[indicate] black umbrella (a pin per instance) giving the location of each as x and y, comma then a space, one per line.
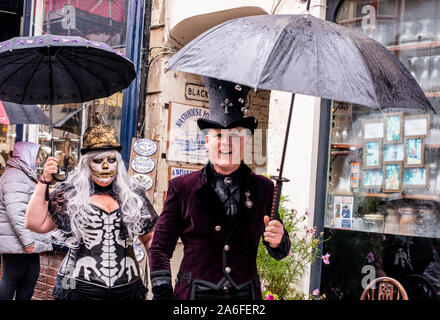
301, 54
13, 113
52, 69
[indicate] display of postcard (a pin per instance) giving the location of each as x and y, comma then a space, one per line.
372, 178
372, 154
392, 177
416, 125
414, 152
343, 212
393, 152
415, 177
393, 128
372, 129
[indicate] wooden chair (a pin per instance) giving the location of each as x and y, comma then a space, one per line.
384, 288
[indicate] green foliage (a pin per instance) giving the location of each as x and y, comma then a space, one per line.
279, 278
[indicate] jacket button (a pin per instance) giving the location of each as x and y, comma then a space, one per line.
218, 228
228, 270
227, 248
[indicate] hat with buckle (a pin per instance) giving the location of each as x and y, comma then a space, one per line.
100, 137
227, 106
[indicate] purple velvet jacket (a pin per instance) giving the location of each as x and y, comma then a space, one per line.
213, 249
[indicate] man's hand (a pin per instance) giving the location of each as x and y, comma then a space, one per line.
30, 249
274, 232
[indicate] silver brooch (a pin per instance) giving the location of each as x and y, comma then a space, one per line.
248, 203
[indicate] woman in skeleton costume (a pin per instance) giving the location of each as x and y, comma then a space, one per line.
99, 216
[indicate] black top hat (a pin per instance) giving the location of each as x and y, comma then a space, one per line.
226, 106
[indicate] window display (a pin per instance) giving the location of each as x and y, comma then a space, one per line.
384, 165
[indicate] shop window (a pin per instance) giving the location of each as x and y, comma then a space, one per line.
7, 138
384, 165
96, 20
383, 195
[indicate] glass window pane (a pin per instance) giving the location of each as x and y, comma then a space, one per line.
383, 195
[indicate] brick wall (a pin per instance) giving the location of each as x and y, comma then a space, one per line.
49, 265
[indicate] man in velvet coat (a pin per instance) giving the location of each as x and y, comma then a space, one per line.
220, 212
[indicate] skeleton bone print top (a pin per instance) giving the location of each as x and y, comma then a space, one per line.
104, 257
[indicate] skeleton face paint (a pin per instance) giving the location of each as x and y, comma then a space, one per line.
103, 169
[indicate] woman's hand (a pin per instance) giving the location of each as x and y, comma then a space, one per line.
30, 249
50, 168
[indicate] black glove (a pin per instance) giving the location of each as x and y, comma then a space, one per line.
161, 285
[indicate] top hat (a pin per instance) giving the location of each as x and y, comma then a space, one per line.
100, 137
226, 106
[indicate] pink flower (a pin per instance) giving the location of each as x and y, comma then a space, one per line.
370, 257
315, 292
270, 297
325, 258
312, 230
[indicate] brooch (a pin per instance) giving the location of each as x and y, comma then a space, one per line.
248, 203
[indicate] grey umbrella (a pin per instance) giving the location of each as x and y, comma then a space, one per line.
302, 54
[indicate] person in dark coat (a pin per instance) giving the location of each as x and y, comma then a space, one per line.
220, 212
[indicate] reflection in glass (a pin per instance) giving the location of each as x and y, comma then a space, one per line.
426, 32
434, 80
408, 32
424, 74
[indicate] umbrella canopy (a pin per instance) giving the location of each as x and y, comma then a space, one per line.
53, 69
302, 54
12, 113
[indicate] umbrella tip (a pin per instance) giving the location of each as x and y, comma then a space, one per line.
308, 6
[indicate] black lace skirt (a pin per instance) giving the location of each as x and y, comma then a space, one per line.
87, 291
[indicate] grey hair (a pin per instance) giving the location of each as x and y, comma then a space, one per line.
80, 180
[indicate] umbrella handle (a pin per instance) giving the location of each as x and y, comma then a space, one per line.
276, 195
54, 176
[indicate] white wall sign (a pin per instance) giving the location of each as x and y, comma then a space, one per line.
186, 141
179, 171
196, 92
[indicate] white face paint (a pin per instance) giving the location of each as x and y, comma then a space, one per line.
103, 169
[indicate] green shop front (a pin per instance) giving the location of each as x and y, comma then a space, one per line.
379, 170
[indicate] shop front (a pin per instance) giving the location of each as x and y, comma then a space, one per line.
96, 20
382, 196
103, 21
